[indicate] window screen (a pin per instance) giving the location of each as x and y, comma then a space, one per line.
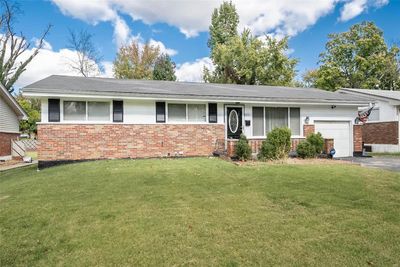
54, 110
74, 110
177, 112
197, 112
118, 111
258, 121
275, 117
295, 121
98, 111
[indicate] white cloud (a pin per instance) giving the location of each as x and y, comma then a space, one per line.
282, 17
353, 8
49, 62
193, 71
163, 49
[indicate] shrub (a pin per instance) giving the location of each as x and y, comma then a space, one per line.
305, 150
243, 149
277, 145
317, 141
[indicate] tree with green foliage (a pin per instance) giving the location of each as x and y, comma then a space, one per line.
277, 145
32, 109
224, 22
135, 61
12, 46
358, 58
246, 59
164, 68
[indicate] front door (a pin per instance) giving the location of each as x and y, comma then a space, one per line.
234, 122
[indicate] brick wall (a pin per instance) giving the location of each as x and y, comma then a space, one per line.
5, 143
308, 129
381, 133
357, 138
64, 142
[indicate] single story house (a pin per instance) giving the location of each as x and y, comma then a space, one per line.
10, 115
97, 118
381, 133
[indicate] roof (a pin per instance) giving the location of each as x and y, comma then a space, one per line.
10, 100
57, 85
373, 94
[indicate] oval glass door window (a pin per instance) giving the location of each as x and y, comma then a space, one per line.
233, 121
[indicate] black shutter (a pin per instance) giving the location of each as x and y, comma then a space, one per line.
118, 111
212, 113
54, 110
160, 111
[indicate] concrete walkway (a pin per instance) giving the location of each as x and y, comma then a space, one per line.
18, 165
382, 162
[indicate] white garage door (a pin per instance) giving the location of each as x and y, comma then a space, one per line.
340, 132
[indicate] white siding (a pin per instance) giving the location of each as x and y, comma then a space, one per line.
8, 119
315, 113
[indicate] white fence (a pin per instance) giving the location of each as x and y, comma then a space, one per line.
18, 148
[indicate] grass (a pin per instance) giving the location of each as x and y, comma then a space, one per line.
199, 212
393, 154
32, 154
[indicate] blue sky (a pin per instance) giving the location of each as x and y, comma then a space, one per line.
181, 29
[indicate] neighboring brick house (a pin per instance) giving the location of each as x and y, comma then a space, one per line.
99, 118
381, 132
10, 114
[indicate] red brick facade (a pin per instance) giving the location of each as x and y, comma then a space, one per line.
105, 141
308, 129
5, 143
381, 133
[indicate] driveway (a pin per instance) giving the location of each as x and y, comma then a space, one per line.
388, 163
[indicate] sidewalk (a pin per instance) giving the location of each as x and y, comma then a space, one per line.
15, 166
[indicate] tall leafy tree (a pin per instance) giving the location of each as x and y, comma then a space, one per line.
135, 61
358, 58
246, 59
224, 22
13, 45
164, 68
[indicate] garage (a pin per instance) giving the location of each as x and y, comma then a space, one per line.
340, 132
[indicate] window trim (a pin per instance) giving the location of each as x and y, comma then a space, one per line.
265, 126
187, 113
110, 117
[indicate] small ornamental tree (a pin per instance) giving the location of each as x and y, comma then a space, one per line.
317, 141
243, 149
277, 145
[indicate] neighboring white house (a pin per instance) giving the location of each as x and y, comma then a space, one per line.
10, 115
94, 118
381, 133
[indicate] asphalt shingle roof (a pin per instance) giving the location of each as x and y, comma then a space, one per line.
57, 84
372, 94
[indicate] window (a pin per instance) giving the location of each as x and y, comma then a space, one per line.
295, 121
268, 118
98, 111
197, 113
54, 110
74, 110
177, 112
118, 111
160, 111
258, 121
275, 117
212, 113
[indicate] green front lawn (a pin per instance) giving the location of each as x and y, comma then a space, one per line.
199, 212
